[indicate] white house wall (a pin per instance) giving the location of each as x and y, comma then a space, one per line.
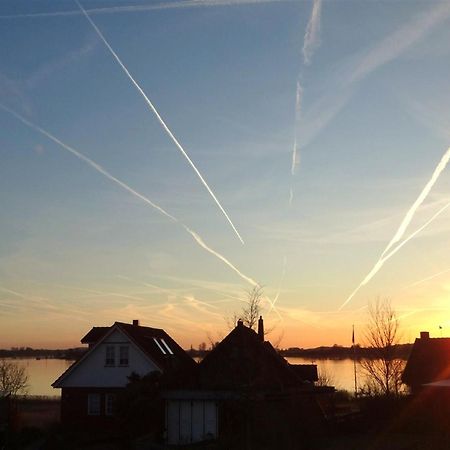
92, 372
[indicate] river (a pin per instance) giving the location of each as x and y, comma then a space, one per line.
43, 372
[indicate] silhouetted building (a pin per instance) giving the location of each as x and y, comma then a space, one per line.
244, 391
428, 363
91, 385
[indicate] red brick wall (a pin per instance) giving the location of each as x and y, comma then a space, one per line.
74, 407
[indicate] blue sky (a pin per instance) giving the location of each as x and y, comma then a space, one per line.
77, 250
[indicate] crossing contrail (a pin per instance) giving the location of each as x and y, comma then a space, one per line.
383, 259
123, 185
158, 116
420, 199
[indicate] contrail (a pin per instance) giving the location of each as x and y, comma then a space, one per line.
383, 259
424, 280
105, 173
311, 41
200, 242
89, 161
312, 35
160, 119
298, 110
143, 8
283, 274
420, 199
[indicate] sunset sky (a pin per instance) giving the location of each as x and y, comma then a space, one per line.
361, 87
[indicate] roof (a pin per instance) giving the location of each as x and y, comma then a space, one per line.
429, 361
155, 343
94, 335
242, 360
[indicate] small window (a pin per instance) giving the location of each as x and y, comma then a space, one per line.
110, 404
110, 359
93, 404
159, 346
165, 345
123, 355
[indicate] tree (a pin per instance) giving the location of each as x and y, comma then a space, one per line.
251, 311
384, 369
13, 378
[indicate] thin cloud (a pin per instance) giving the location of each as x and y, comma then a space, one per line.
400, 41
160, 119
311, 40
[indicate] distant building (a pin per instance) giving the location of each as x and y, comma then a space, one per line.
90, 386
244, 391
428, 364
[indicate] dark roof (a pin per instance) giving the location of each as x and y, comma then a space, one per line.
307, 372
145, 337
148, 340
94, 335
429, 361
242, 360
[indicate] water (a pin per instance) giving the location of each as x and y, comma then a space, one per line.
42, 373
337, 372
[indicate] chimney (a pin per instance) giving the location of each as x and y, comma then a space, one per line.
424, 335
240, 323
261, 329
136, 322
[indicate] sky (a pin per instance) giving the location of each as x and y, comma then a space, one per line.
217, 145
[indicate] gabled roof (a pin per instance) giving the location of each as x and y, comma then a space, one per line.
155, 343
429, 361
94, 335
242, 360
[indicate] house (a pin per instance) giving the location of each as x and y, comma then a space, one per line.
429, 363
90, 386
243, 391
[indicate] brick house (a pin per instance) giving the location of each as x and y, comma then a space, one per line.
91, 385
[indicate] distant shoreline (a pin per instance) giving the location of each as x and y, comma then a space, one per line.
401, 351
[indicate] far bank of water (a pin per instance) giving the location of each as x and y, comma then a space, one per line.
43, 372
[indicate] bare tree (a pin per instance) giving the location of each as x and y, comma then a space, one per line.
13, 378
251, 311
384, 369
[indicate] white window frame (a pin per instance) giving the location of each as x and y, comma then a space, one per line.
110, 404
110, 356
124, 362
94, 400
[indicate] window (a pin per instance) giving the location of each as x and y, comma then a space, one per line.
93, 404
110, 359
110, 404
159, 346
165, 345
123, 355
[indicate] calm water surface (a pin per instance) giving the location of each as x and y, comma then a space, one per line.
43, 372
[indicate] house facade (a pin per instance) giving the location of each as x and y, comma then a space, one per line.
91, 386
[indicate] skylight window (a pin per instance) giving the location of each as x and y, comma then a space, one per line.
160, 347
165, 345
